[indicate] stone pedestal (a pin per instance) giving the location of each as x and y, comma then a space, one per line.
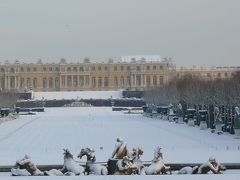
191, 122
179, 120
218, 127
203, 125
237, 132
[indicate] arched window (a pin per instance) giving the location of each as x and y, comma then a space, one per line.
122, 81
105, 81
50, 82
115, 81
56, 82
44, 82
99, 81
148, 80
154, 80
93, 82
35, 83
69, 81
22, 82
28, 82
129, 81
12, 70
75, 81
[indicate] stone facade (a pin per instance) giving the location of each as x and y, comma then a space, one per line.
83, 76
137, 75
208, 73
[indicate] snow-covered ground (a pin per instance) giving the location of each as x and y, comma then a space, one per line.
44, 136
77, 95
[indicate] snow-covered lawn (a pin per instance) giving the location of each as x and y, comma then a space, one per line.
77, 95
44, 136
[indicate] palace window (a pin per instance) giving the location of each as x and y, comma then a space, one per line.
22, 82
75, 69
12, 70
28, 82
81, 68
115, 81
44, 82
35, 69
138, 79
50, 82
35, 83
122, 81
148, 80
56, 82
161, 81
81, 81
129, 81
154, 80
100, 82
93, 82
105, 81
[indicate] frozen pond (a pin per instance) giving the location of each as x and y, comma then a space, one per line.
44, 135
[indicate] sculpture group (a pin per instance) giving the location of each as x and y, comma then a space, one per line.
126, 163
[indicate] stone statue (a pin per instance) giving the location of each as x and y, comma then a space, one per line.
170, 109
217, 120
237, 118
217, 116
237, 121
179, 110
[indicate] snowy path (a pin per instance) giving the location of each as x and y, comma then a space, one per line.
45, 135
17, 129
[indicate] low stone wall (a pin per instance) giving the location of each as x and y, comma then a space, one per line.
92, 102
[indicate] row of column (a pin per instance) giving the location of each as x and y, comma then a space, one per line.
71, 81
83, 81
143, 80
9, 82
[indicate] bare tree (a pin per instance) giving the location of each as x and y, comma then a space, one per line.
195, 91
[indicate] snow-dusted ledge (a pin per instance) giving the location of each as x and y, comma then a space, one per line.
77, 95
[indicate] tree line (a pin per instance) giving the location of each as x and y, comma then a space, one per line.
193, 90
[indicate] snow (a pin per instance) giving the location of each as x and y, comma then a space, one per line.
134, 177
77, 95
43, 137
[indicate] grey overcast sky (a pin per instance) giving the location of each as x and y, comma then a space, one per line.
192, 32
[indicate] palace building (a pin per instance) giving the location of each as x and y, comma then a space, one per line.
131, 75
211, 73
